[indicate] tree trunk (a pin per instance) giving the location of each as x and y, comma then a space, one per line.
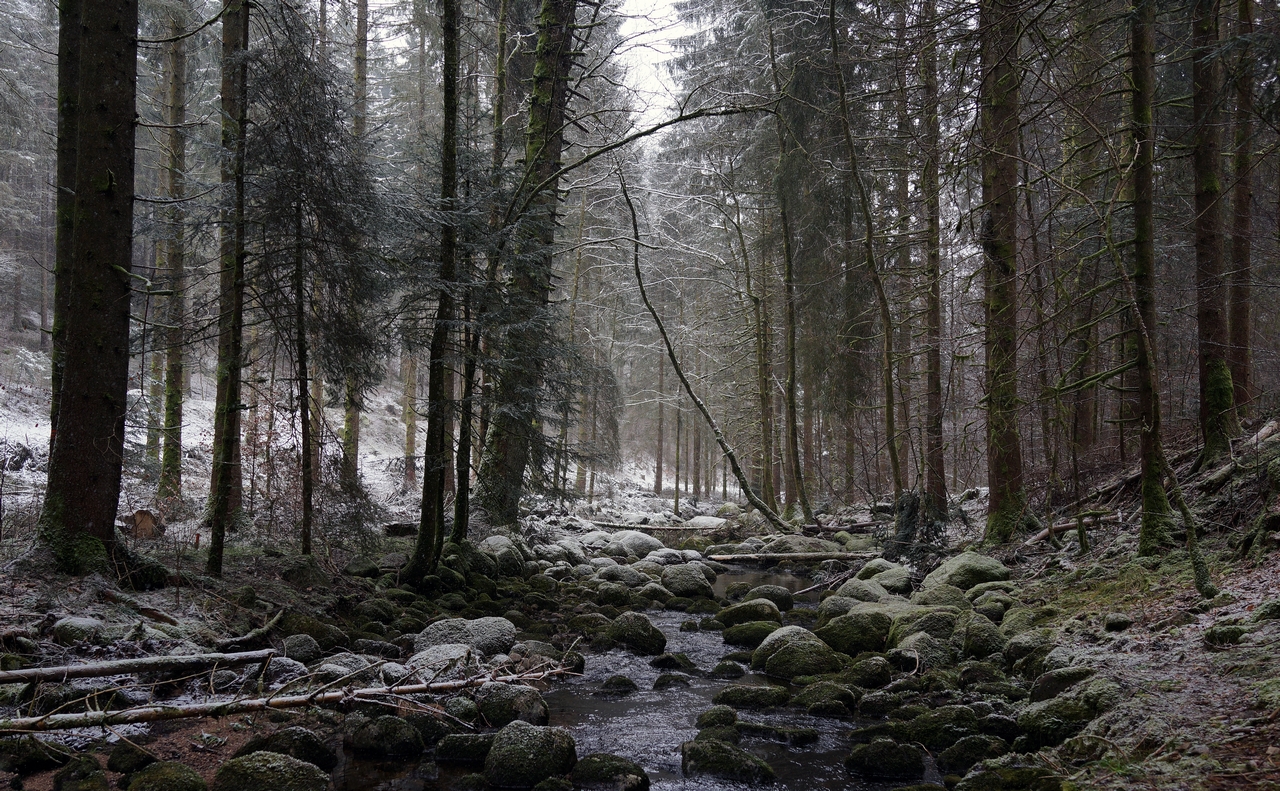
409, 413
1217, 397
1240, 355
69, 33
170, 486
224, 488
935, 484
78, 517
352, 396
305, 454
436, 453
661, 449
999, 31
519, 384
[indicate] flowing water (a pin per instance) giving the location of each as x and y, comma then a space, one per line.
648, 726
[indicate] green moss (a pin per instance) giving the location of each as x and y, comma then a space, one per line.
1003, 522
1221, 423
1153, 536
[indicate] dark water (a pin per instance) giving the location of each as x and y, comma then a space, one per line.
649, 726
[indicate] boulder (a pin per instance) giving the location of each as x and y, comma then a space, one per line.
863, 590
720, 759
167, 776
361, 566
524, 755
296, 742
1053, 721
439, 657
937, 728
750, 634
920, 651
944, 595
856, 632
967, 570
717, 716
1055, 682
262, 770
885, 759
873, 672
302, 648
960, 757
625, 575
81, 773
487, 636
614, 594
1012, 772
686, 580
74, 629
794, 651
754, 610
826, 693
874, 567
976, 637
26, 755
636, 543
939, 622
611, 772
385, 736
896, 580
635, 631
464, 748
742, 696
127, 758
618, 685
501, 704
655, 592
774, 593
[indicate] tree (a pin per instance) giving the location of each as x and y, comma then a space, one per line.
79, 513
999, 32
224, 485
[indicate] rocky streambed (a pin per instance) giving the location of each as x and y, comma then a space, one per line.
685, 674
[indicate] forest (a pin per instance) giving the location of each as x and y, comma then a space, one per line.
615, 394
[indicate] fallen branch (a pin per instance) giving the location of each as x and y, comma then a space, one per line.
251, 636
805, 556
147, 664
136, 606
93, 719
1063, 527
619, 526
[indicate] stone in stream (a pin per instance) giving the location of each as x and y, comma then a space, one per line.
896, 580
524, 755
635, 631
742, 696
827, 699
167, 776
856, 632
794, 651
625, 575
870, 673
501, 703
875, 566
885, 759
960, 757
754, 610
863, 590
966, 570
919, 652
722, 716
727, 669
384, 736
774, 593
723, 760
604, 771
636, 543
464, 748
618, 685
937, 622
261, 771
294, 741
943, 595
667, 680
687, 580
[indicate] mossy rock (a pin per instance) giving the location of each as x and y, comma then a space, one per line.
294, 741
26, 755
863, 590
1018, 620
326, 635
464, 748
1225, 634
794, 651
754, 610
774, 593
938, 728
727, 669
504, 703
1011, 773
264, 770
637, 632
828, 692
387, 735
127, 758
942, 595
605, 771
722, 716
1055, 682
668, 680
920, 651
885, 759
897, 580
741, 696
872, 672
977, 637
939, 622
720, 759
1053, 721
967, 570
875, 566
167, 776
796, 737
81, 773
523, 755
723, 733
856, 632
750, 634
304, 572
960, 757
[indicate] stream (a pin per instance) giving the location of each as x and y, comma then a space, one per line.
648, 726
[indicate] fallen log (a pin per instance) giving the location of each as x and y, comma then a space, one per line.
254, 635
856, 527
801, 556
146, 664
136, 606
1063, 527
94, 719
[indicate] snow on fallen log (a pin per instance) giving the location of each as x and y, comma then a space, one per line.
800, 556
141, 714
146, 664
